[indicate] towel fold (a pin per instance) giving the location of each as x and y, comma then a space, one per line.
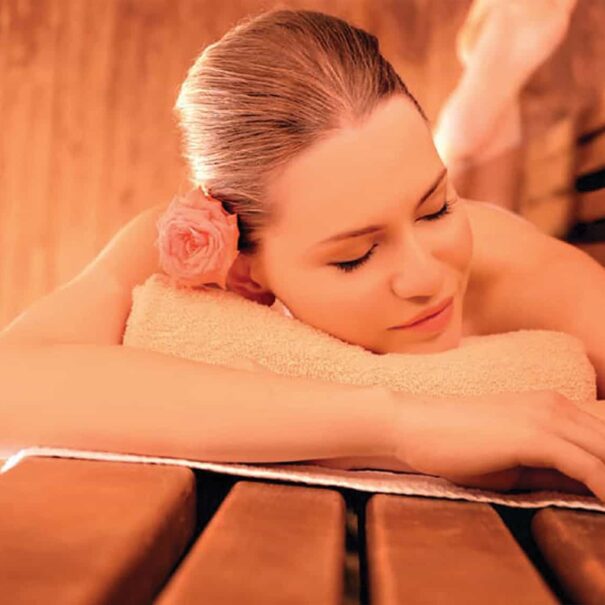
219, 327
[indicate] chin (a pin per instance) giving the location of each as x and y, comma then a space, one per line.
446, 341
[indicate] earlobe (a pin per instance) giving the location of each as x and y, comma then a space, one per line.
240, 281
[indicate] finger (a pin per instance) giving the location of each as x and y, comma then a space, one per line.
523, 478
584, 430
549, 479
503, 480
571, 460
595, 411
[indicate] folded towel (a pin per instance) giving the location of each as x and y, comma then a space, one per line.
220, 327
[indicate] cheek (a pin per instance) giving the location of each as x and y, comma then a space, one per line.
459, 244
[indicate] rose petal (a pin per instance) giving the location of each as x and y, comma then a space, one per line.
197, 240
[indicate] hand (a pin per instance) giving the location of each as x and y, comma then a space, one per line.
501, 45
488, 441
528, 31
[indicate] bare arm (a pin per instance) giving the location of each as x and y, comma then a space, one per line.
136, 401
67, 381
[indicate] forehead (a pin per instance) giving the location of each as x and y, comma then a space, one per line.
345, 180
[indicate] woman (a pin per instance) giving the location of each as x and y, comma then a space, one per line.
299, 127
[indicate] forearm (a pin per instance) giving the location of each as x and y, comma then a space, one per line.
136, 401
529, 480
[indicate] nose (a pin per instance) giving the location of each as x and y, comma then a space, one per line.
418, 274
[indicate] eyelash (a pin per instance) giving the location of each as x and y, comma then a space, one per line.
351, 265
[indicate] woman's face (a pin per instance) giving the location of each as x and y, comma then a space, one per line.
385, 178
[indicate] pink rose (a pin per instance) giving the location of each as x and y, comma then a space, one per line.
197, 240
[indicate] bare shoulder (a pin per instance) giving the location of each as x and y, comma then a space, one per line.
502, 239
505, 249
130, 256
92, 308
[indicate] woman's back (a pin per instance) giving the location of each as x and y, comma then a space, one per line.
93, 307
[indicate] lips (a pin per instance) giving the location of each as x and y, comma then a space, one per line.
427, 313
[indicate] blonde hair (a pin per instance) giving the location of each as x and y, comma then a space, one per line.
271, 87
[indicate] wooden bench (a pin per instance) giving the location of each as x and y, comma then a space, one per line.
84, 532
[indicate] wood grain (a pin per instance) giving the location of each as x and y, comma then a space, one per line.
264, 545
426, 550
90, 531
89, 138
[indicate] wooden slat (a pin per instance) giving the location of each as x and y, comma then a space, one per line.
596, 250
547, 195
591, 205
426, 550
591, 137
81, 532
573, 543
552, 214
591, 149
267, 543
550, 160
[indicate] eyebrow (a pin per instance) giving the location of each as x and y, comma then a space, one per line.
373, 228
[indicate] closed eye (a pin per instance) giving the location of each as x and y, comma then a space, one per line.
351, 265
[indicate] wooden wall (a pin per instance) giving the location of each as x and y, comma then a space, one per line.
88, 138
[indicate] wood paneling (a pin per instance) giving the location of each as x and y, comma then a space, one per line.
86, 95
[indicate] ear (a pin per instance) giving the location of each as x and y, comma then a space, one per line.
240, 281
